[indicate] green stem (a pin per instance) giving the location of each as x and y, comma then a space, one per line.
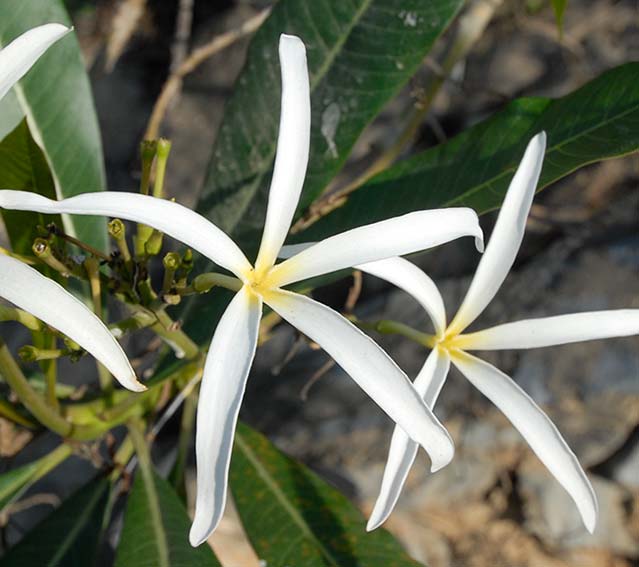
170, 332
387, 327
206, 282
184, 443
43, 467
44, 413
9, 412
122, 457
19, 316
50, 368
92, 267
161, 159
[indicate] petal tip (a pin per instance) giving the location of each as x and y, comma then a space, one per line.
291, 44
195, 538
373, 523
138, 386
438, 462
479, 244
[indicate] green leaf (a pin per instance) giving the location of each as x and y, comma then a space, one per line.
559, 7
292, 517
596, 122
56, 98
69, 536
24, 167
152, 539
14, 482
360, 53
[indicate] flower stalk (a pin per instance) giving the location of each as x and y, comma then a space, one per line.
44, 413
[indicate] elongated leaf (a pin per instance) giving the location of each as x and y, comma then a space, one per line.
56, 98
359, 53
15, 481
24, 167
152, 541
292, 517
69, 536
598, 121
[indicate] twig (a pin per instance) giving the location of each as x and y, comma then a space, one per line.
354, 292
197, 57
295, 347
315, 377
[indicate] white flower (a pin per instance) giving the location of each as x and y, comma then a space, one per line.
24, 286
233, 347
450, 344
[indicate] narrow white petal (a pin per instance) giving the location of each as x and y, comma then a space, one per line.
536, 428
225, 373
559, 330
29, 290
401, 273
20, 55
413, 281
292, 149
393, 237
370, 367
506, 237
171, 218
402, 453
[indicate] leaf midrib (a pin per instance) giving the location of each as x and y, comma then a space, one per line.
79, 525
550, 150
281, 497
155, 516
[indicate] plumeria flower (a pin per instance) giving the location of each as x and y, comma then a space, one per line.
233, 347
27, 288
451, 344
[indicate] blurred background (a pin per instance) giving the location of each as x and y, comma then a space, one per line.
495, 504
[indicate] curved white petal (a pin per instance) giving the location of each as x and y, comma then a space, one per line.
48, 301
20, 55
292, 150
506, 237
401, 273
536, 428
408, 277
171, 218
403, 450
559, 330
225, 373
393, 237
370, 367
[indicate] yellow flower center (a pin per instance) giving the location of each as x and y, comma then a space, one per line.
260, 281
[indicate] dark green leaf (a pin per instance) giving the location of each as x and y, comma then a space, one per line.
598, 121
360, 53
56, 97
292, 517
11, 482
15, 481
24, 167
69, 536
151, 541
